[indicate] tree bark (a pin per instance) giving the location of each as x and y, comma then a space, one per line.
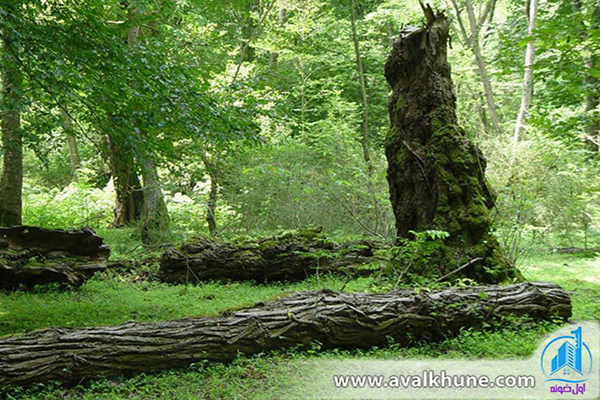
485, 80
128, 190
335, 320
288, 257
436, 176
483, 22
213, 195
592, 89
528, 77
32, 256
154, 214
11, 183
365, 142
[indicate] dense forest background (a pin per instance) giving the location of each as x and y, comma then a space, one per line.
252, 116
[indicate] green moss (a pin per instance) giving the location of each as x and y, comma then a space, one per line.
399, 103
461, 209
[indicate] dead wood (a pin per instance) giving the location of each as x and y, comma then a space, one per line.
335, 320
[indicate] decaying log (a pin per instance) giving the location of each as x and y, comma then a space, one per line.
336, 320
290, 256
31, 256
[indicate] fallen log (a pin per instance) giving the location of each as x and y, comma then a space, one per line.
574, 250
32, 256
290, 256
336, 320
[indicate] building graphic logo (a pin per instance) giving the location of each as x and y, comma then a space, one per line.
567, 359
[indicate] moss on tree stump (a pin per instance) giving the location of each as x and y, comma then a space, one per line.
435, 174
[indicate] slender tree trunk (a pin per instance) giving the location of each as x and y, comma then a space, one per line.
365, 142
11, 183
528, 78
154, 213
592, 88
592, 126
211, 205
72, 143
468, 39
487, 86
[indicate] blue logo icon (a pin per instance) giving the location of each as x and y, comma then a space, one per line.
567, 359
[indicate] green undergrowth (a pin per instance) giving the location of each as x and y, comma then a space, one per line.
111, 299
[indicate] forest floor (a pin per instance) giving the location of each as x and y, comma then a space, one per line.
113, 298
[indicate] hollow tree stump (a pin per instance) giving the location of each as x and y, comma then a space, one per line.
336, 320
31, 256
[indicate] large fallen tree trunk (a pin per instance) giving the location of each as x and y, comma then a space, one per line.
334, 319
290, 256
31, 256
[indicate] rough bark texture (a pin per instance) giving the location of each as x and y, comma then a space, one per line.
11, 183
128, 190
30, 256
291, 256
436, 176
336, 320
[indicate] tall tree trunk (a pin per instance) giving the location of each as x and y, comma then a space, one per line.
471, 40
72, 144
485, 80
363, 92
528, 77
592, 92
211, 205
154, 214
128, 190
436, 176
11, 183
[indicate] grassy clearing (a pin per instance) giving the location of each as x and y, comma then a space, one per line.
112, 299
108, 299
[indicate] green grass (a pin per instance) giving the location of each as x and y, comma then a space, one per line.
111, 299
577, 273
108, 299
